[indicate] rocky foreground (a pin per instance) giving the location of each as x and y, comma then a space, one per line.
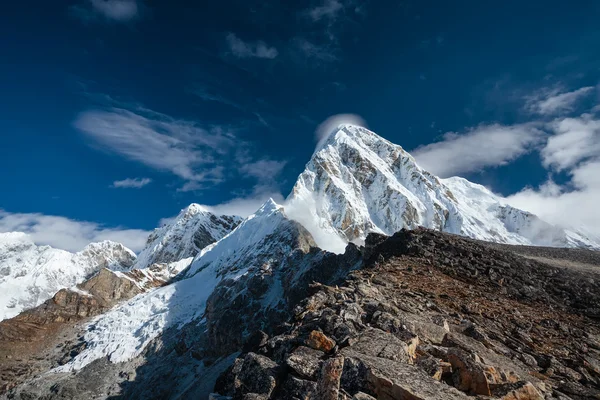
425, 315
436, 316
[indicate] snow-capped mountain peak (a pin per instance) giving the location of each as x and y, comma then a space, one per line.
358, 182
183, 237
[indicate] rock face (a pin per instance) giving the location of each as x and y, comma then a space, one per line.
30, 274
357, 183
437, 316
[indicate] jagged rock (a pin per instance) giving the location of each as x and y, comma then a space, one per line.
469, 375
257, 374
328, 386
376, 343
395, 380
306, 362
433, 366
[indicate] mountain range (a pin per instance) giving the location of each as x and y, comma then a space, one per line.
204, 284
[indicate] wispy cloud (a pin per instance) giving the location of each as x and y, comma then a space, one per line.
201, 155
242, 49
554, 101
480, 147
329, 9
158, 141
108, 10
68, 234
132, 183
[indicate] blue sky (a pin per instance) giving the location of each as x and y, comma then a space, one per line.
118, 113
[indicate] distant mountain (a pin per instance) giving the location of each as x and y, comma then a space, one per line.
357, 183
30, 274
184, 236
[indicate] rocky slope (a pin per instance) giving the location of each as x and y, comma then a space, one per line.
357, 182
30, 274
434, 316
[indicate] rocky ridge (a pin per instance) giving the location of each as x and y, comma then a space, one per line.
433, 316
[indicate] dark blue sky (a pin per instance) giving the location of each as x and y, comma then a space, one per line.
236, 89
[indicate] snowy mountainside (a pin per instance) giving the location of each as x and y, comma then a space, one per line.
261, 243
31, 274
357, 182
183, 237
488, 217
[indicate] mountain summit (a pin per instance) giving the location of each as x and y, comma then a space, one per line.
358, 183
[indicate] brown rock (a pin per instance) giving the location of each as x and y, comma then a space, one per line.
318, 341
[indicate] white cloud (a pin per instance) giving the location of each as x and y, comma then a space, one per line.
575, 149
575, 140
202, 156
483, 146
554, 101
258, 49
110, 10
575, 207
134, 183
160, 142
68, 234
